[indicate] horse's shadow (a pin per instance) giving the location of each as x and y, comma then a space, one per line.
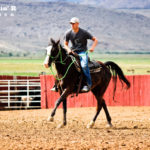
123, 128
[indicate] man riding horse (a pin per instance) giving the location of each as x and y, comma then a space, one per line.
78, 38
68, 75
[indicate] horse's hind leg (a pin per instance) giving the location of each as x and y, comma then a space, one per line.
98, 92
106, 113
99, 106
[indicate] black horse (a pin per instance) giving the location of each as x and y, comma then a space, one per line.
69, 79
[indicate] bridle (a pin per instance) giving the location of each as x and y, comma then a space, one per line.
59, 54
55, 60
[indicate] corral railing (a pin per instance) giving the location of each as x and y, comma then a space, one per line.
20, 93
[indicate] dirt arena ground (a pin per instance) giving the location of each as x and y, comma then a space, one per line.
29, 129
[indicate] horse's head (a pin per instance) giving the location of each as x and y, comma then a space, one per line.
53, 51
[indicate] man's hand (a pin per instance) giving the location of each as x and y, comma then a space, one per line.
95, 41
67, 47
74, 54
71, 53
91, 50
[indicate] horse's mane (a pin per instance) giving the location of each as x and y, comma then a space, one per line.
62, 48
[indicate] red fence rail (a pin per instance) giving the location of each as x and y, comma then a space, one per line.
137, 95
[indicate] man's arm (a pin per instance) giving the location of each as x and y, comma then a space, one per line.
95, 41
67, 47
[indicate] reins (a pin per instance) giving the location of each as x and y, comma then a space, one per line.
65, 72
62, 62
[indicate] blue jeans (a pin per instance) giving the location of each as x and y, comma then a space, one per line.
85, 68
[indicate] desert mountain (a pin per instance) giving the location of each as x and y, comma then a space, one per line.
34, 23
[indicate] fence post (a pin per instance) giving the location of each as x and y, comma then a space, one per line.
27, 93
43, 91
8, 93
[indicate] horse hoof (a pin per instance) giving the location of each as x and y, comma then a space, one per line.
90, 125
109, 125
60, 126
51, 119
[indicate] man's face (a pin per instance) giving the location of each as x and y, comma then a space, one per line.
74, 26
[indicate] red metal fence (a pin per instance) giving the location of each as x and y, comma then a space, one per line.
137, 95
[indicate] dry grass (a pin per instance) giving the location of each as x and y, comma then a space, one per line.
131, 64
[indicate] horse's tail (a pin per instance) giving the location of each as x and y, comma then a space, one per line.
116, 71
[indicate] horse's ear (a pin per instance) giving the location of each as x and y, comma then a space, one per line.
58, 42
52, 41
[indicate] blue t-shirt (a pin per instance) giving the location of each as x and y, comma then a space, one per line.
78, 40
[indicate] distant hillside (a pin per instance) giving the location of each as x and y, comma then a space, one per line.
144, 12
125, 4
35, 22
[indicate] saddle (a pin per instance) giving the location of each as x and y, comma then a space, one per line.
94, 67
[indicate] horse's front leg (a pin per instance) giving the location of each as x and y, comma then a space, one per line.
64, 123
63, 97
64, 111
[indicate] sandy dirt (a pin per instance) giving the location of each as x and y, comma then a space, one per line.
29, 129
